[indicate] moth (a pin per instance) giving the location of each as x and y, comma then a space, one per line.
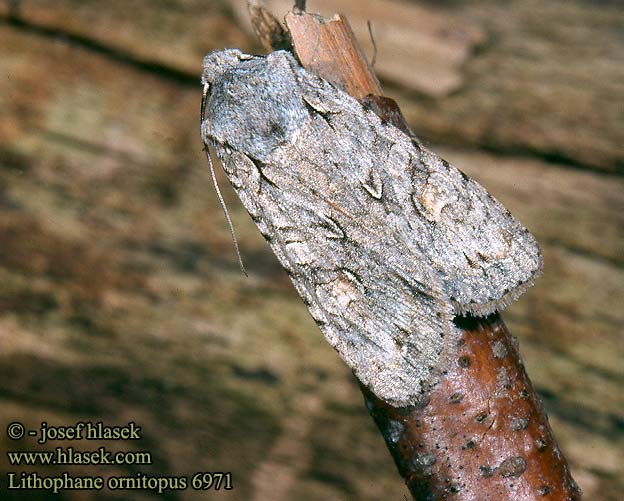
384, 241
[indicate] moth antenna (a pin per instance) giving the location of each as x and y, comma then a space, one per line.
225, 211
216, 184
372, 37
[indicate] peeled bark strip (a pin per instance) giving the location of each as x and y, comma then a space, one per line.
329, 49
481, 432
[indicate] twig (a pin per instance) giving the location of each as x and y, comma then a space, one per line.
268, 29
369, 25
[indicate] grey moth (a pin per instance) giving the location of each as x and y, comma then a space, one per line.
384, 241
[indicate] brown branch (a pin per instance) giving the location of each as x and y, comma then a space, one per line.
481, 432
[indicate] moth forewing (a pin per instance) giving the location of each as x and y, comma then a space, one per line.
383, 240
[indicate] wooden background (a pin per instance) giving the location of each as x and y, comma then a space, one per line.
120, 295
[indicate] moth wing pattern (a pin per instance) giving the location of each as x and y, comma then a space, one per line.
383, 240
485, 257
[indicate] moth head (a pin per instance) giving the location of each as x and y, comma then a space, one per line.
219, 62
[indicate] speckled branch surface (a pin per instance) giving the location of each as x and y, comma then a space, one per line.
481, 432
